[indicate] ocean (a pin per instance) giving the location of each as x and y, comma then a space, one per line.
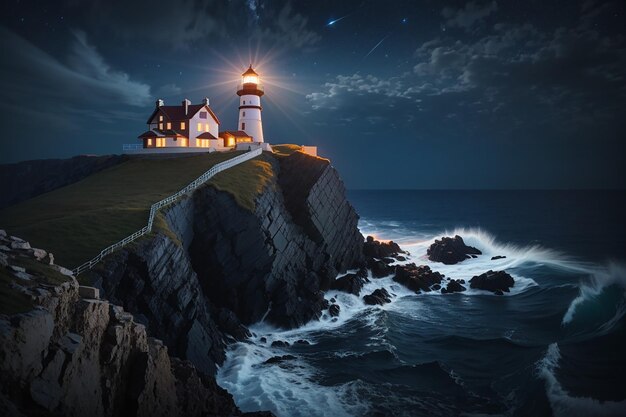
555, 345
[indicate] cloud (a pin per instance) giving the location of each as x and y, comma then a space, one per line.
467, 16
516, 75
34, 81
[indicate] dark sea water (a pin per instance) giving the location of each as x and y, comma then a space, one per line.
556, 345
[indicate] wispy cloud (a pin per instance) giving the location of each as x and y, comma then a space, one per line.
467, 16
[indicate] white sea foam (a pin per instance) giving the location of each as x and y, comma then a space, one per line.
564, 404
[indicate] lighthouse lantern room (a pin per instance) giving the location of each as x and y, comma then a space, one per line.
250, 91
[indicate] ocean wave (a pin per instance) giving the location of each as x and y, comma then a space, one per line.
592, 290
287, 389
564, 404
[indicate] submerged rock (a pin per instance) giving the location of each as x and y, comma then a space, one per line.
280, 343
451, 250
417, 278
279, 359
493, 281
378, 297
493, 258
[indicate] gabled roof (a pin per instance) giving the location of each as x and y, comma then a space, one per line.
176, 113
206, 135
156, 133
235, 133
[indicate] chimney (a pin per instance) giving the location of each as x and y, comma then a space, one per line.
205, 101
159, 103
186, 104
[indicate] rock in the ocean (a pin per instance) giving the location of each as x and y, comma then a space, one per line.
280, 343
493, 281
333, 310
379, 268
493, 258
376, 249
279, 359
417, 278
378, 297
450, 250
454, 285
350, 283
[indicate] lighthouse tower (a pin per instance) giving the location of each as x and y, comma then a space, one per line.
250, 91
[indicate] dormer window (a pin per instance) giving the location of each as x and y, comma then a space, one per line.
203, 115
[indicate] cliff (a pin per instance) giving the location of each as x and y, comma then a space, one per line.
63, 354
223, 264
262, 241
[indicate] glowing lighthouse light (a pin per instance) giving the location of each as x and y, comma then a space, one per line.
250, 91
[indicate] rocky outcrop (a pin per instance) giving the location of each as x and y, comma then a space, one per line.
61, 354
350, 283
451, 250
376, 249
377, 297
454, 285
417, 278
40, 176
494, 281
221, 266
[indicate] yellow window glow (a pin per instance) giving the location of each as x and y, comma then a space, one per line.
169, 125
206, 127
160, 126
199, 127
160, 118
251, 79
149, 142
182, 125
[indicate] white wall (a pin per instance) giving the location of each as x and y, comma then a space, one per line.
252, 119
193, 127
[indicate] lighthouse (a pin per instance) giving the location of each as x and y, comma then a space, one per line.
250, 91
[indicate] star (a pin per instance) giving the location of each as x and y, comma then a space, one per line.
405, 20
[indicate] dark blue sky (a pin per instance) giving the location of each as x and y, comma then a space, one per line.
398, 94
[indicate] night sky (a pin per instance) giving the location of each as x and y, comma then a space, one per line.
398, 94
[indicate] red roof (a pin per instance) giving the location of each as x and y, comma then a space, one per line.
235, 133
206, 135
249, 71
177, 113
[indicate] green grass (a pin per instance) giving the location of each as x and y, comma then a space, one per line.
77, 221
285, 149
245, 181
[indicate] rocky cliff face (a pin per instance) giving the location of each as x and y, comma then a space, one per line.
63, 354
224, 266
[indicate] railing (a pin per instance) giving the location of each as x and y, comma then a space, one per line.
168, 200
132, 146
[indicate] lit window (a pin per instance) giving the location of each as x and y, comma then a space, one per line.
160, 126
206, 127
182, 125
250, 79
169, 125
184, 142
149, 142
160, 142
243, 126
199, 127
160, 118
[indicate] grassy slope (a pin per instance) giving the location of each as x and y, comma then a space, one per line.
78, 221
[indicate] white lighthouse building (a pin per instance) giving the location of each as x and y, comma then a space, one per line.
250, 91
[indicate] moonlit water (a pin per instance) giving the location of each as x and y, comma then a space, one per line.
552, 346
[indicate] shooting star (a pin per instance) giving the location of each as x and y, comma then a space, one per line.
332, 22
376, 46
